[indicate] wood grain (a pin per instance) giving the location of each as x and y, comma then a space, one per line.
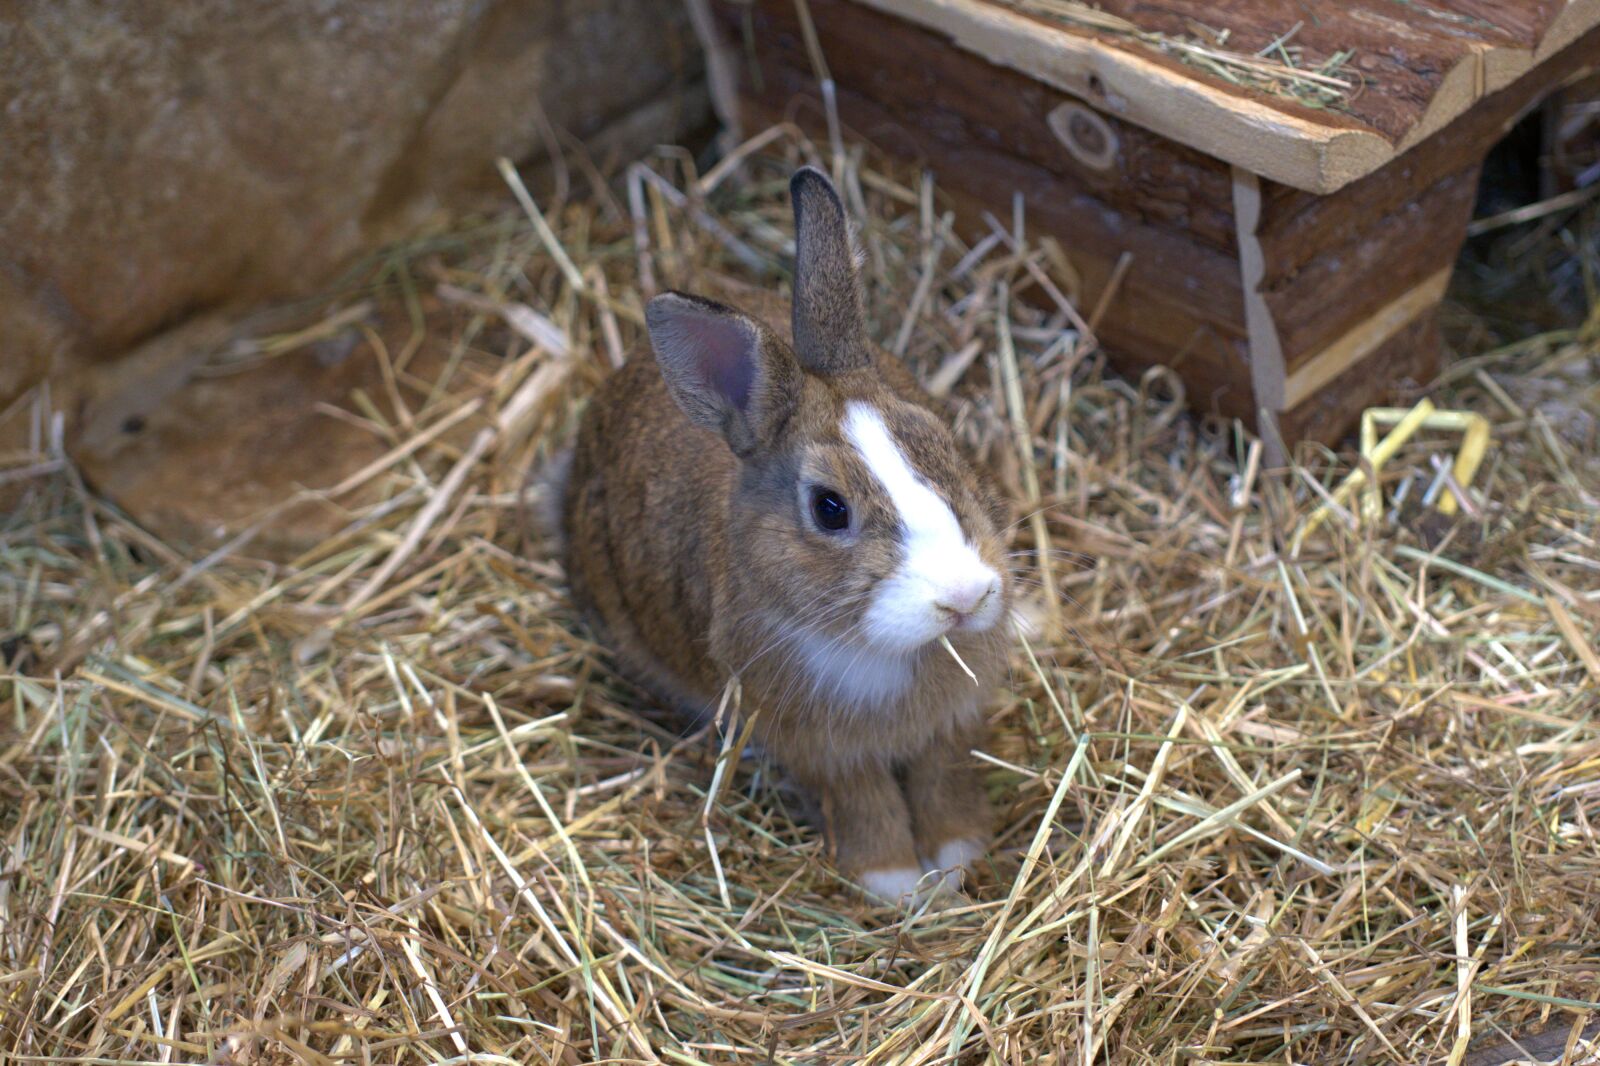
1179, 301
1317, 370
1297, 225
1403, 363
1421, 68
1298, 146
1373, 261
1257, 292
924, 89
1405, 54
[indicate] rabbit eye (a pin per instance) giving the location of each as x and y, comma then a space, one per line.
830, 510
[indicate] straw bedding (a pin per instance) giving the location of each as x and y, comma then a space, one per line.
385, 803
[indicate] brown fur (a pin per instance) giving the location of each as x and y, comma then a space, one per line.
690, 557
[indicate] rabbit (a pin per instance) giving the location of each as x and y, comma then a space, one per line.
797, 515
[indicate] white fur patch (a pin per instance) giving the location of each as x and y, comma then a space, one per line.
850, 674
892, 885
956, 856
940, 570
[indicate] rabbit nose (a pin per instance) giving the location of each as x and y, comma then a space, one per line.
965, 598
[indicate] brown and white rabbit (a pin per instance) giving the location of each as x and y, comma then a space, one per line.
799, 517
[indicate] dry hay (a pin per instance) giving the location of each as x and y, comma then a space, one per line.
380, 803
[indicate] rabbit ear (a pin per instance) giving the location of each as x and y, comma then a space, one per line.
830, 333
726, 371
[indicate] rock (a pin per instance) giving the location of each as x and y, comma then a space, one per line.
164, 161
252, 446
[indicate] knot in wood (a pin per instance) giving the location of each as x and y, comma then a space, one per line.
1085, 134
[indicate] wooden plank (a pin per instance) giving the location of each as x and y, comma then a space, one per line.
1201, 275
1349, 280
1264, 295
1267, 370
1371, 332
1292, 145
1405, 54
1297, 225
919, 83
1178, 303
1394, 369
1270, 135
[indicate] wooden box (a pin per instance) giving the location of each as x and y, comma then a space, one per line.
1290, 217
